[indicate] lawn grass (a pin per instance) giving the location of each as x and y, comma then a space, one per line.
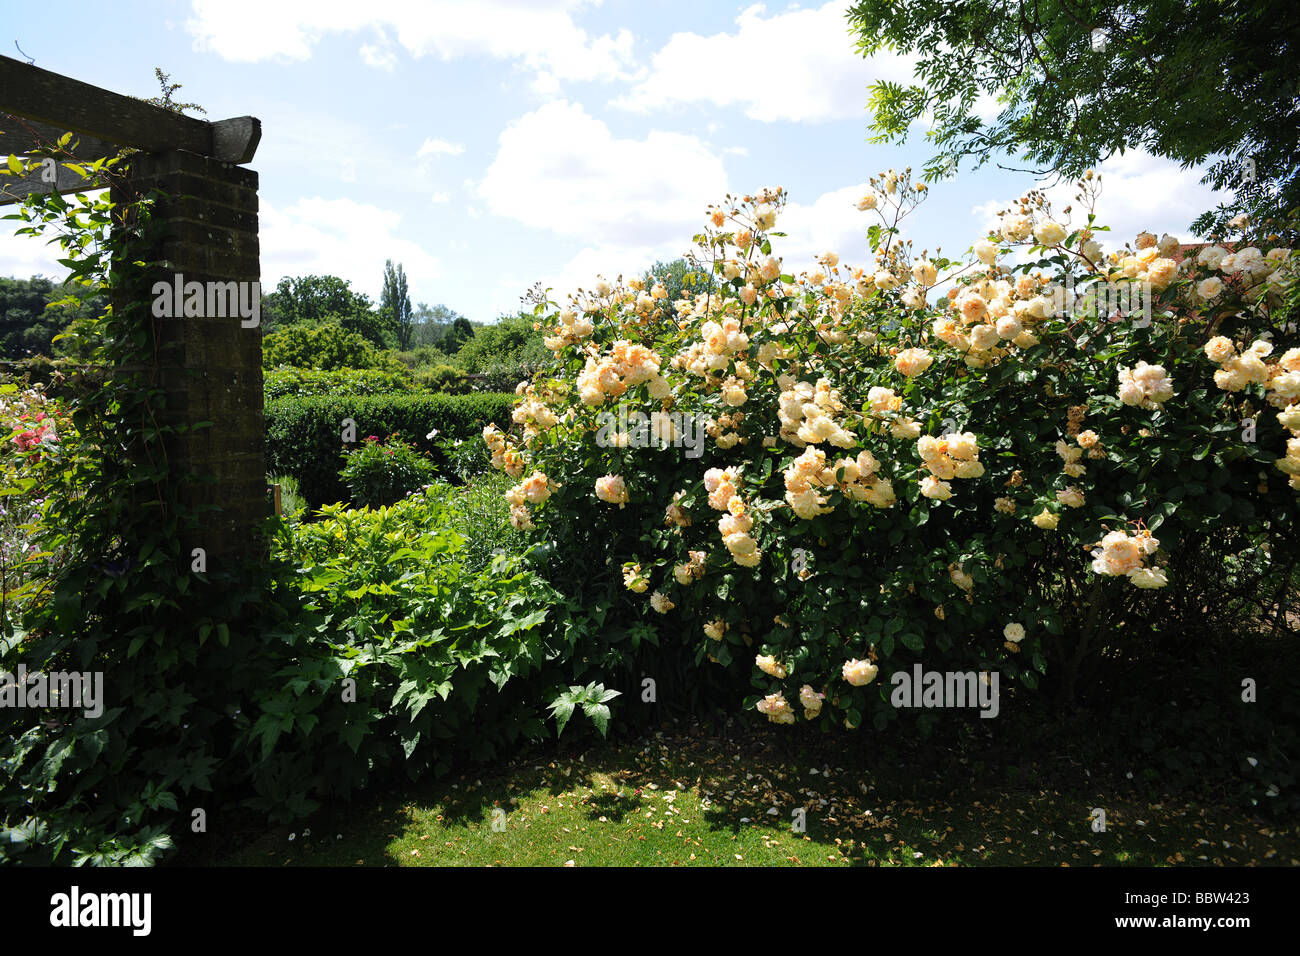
690, 797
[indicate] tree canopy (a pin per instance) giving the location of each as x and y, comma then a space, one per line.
1077, 81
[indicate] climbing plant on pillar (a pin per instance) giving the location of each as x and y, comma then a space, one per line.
152, 652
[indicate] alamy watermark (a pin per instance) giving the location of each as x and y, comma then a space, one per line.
211, 300
75, 689
922, 688
75, 909
656, 430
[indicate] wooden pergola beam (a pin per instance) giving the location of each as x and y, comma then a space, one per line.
67, 105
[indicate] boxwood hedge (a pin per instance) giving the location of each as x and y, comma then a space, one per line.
285, 382
304, 435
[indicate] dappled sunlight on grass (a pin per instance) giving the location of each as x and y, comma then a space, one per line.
679, 798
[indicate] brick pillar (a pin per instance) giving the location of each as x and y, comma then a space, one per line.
212, 366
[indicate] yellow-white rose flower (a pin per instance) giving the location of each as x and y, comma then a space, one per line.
912, 362
1209, 288
661, 603
1071, 497
811, 700
925, 272
769, 665
859, 673
1148, 578
611, 488
1049, 233
933, 487
1220, 348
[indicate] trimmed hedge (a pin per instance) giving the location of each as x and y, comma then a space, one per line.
285, 382
304, 436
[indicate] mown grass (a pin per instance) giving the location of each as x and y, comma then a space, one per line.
687, 797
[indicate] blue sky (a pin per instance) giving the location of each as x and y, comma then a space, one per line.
489, 144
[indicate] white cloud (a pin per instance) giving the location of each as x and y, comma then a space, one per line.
806, 59
381, 58
560, 169
339, 237
25, 256
540, 34
439, 198
439, 147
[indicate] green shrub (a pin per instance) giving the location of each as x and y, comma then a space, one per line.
449, 664
286, 382
382, 473
443, 378
504, 377
480, 512
422, 356
508, 341
467, 458
305, 435
323, 347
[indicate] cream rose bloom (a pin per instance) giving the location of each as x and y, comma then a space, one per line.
1050, 233
811, 700
612, 489
1209, 288
1289, 418
1046, 520
933, 487
912, 362
1009, 328
1071, 497
1015, 633
661, 603
769, 665
1148, 578
1219, 349
1015, 227
859, 673
1161, 273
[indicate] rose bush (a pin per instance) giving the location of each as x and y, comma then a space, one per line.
35, 428
1052, 462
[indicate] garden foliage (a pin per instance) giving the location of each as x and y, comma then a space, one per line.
305, 436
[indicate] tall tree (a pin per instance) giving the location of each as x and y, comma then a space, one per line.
311, 299
1078, 80
33, 311
678, 278
461, 331
430, 324
396, 300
